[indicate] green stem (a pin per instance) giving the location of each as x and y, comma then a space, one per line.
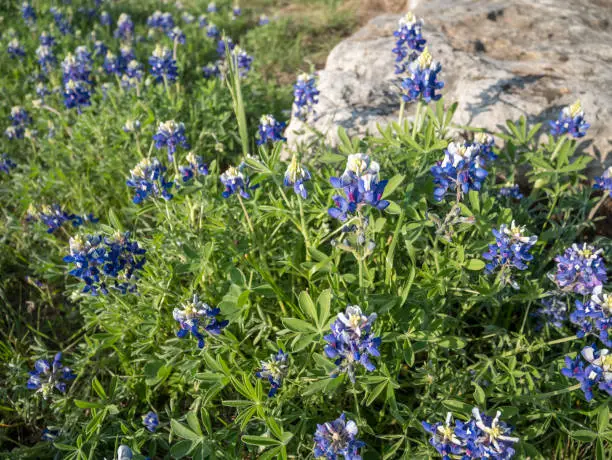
400, 119
597, 206
246, 214
558, 148
304, 229
417, 117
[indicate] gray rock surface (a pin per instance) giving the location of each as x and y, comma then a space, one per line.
500, 60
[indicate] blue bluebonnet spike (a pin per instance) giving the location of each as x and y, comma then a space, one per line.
336, 438
274, 370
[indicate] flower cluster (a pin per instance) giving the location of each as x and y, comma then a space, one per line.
484, 143
595, 314
410, 42
99, 260
47, 376
54, 217
337, 438
295, 176
176, 35
77, 69
361, 186
6, 164
552, 312
28, 13
148, 179
20, 119
170, 135
212, 7
46, 39
594, 370
351, 341
571, 120
263, 20
163, 65
274, 370
270, 130
163, 22
45, 57
305, 96
195, 167
125, 27
580, 269
460, 171
150, 420
236, 181
212, 31
62, 24
242, 61
480, 437
510, 250
512, 191
195, 317
423, 80
604, 182
15, 50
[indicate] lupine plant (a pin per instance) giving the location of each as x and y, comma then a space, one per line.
209, 290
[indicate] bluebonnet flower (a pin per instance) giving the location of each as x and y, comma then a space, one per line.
99, 260
410, 41
49, 434
133, 75
150, 421
361, 186
423, 81
131, 126
163, 65
460, 171
212, 70
571, 120
77, 68
295, 176
270, 130
19, 116
148, 180
15, 50
510, 250
42, 91
202, 21
484, 143
212, 7
337, 438
444, 439
28, 13
596, 371
552, 312
197, 316
594, 315
491, 439
305, 96
604, 182
47, 376
242, 61
187, 18
212, 31
223, 45
45, 57
161, 21
235, 181
125, 27
512, 191
61, 22
100, 49
111, 63
351, 341
176, 35
263, 20
46, 39
76, 94
127, 55
274, 370
54, 217
170, 135
105, 18
236, 10
124, 453
195, 167
580, 269
14, 132
6, 164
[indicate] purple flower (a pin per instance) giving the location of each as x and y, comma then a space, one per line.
235, 181
202, 21
604, 182
485, 143
224, 45
263, 20
423, 81
512, 192
28, 13
552, 312
270, 130
444, 439
594, 315
274, 370
337, 438
6, 164
571, 120
460, 171
195, 167
212, 31
410, 41
76, 94
47, 376
170, 135
305, 96
591, 368
212, 70
125, 28
212, 7
15, 50
150, 421
46, 39
295, 176
163, 65
196, 315
105, 18
176, 35
351, 342
580, 269
148, 180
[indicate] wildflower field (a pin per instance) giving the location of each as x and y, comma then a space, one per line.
179, 281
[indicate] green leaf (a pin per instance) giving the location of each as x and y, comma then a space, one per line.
298, 325
97, 387
88, 405
603, 419
182, 448
308, 306
479, 396
457, 406
393, 208
323, 308
194, 424
452, 342
183, 432
583, 435
260, 441
393, 183
474, 264
378, 389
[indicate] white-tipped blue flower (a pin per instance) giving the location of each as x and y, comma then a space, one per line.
295, 176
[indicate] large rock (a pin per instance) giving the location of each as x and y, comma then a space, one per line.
500, 60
